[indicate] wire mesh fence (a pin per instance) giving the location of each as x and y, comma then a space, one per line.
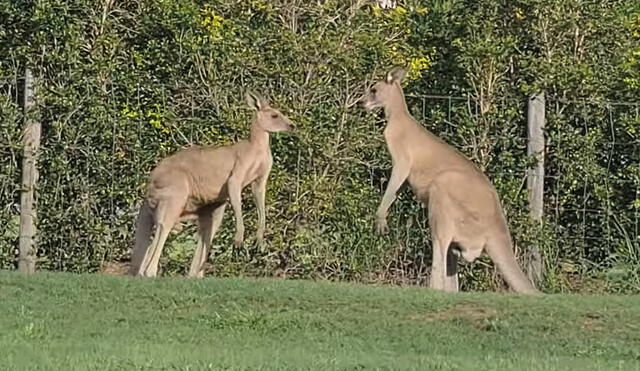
592, 181
90, 186
10, 152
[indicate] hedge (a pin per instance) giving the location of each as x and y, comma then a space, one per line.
123, 84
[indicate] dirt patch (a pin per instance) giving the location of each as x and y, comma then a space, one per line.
574, 283
592, 322
115, 268
470, 312
119, 268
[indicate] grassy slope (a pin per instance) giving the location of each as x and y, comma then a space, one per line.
63, 321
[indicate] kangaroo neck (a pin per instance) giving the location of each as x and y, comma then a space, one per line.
396, 108
258, 137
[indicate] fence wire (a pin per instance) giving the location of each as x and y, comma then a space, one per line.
592, 182
10, 153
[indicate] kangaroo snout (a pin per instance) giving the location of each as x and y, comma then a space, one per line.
367, 102
291, 127
362, 101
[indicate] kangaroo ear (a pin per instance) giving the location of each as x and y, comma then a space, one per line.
256, 101
396, 74
253, 100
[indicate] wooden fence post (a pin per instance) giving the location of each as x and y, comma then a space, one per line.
535, 178
31, 145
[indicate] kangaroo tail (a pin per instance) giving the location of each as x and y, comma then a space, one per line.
500, 250
144, 227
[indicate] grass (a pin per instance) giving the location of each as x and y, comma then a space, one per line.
57, 321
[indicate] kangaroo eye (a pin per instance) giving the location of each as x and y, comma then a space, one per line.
374, 90
274, 116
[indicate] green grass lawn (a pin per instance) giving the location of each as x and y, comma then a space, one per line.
56, 321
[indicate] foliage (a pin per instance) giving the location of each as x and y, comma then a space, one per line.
122, 84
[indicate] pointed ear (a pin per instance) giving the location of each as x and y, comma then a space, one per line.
256, 101
396, 74
253, 100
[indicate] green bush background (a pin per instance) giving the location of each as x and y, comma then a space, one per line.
121, 84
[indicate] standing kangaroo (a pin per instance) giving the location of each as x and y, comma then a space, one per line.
196, 182
464, 210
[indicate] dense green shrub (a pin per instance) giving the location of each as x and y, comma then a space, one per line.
122, 84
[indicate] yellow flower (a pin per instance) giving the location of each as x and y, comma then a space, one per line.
417, 66
400, 10
376, 11
213, 23
519, 14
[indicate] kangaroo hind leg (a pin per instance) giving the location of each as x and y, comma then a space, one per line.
167, 215
208, 225
443, 265
144, 227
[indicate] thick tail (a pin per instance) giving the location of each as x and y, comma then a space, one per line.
144, 227
500, 251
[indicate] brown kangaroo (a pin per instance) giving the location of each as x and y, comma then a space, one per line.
196, 182
465, 215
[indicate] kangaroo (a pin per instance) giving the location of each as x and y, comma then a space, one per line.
196, 182
465, 215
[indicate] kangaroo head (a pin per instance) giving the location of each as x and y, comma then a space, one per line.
269, 119
384, 91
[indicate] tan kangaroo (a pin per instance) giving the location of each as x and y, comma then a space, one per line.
465, 215
196, 182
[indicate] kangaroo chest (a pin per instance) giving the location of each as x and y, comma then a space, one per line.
258, 169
